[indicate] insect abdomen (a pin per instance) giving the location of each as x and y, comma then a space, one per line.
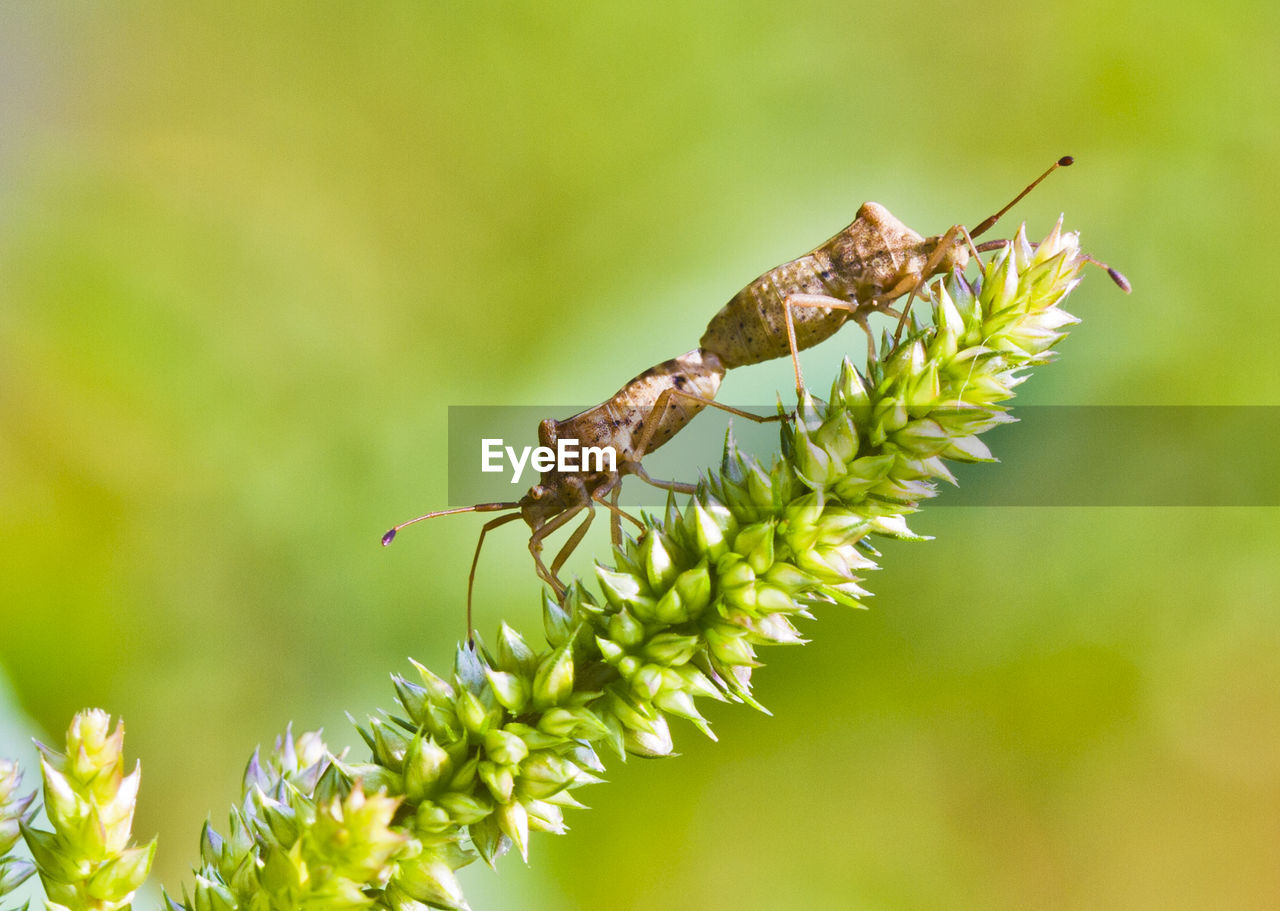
751, 328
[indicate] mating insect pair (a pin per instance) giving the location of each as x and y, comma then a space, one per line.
865, 269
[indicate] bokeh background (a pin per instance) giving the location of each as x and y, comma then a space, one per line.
250, 254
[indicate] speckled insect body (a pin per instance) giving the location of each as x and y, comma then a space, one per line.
639, 418
861, 270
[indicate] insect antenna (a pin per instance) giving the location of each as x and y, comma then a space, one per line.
1116, 275
479, 507
1065, 161
475, 560
985, 225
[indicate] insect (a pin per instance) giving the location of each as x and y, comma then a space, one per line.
638, 419
862, 270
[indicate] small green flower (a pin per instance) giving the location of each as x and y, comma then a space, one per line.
15, 811
86, 861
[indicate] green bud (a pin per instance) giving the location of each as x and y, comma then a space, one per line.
850, 394
414, 698
213, 896
620, 589
64, 806
890, 416
755, 543
556, 621
431, 817
511, 691
514, 654
922, 438
553, 682
655, 741
545, 817
472, 713
533, 738
923, 391
771, 599
499, 779
694, 588
814, 464
427, 878
709, 524
465, 809
544, 775
390, 744
680, 704
696, 683
513, 820
729, 645
734, 572
968, 449
117, 879
625, 629
776, 629
610, 651
670, 609
810, 413
646, 681
839, 437
426, 765
464, 778
13, 873
760, 487
790, 578
439, 692
564, 723
670, 649
13, 805
504, 747
659, 566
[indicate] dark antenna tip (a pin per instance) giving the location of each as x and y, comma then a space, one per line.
986, 224
1118, 277
388, 537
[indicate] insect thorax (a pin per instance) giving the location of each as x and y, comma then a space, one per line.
875, 252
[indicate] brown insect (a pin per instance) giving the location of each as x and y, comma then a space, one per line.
862, 270
638, 419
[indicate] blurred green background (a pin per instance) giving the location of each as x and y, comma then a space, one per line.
249, 256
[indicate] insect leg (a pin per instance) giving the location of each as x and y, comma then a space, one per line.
677, 486
615, 520
712, 403
917, 282
475, 561
572, 544
659, 411
823, 302
618, 512
535, 547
